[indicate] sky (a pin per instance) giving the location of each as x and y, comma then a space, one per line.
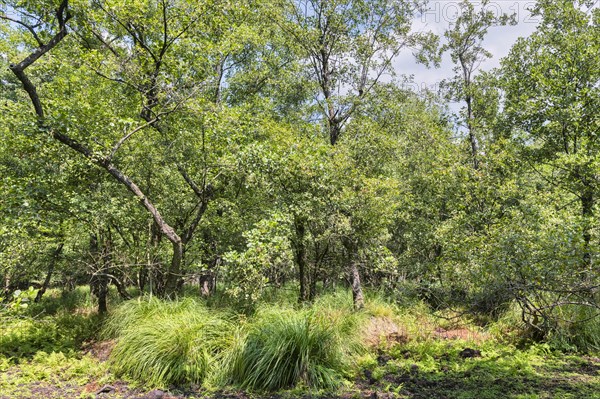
498, 41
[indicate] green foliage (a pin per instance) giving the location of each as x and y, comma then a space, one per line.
576, 329
267, 253
24, 337
78, 300
211, 115
436, 369
19, 302
163, 343
285, 347
64, 373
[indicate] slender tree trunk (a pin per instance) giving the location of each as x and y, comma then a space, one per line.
357, 294
142, 276
120, 288
301, 259
53, 260
6, 284
587, 210
354, 275
312, 292
172, 284
471, 128
102, 295
98, 282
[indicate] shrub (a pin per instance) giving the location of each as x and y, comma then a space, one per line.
576, 328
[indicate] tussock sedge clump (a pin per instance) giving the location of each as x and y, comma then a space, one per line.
163, 343
283, 348
166, 343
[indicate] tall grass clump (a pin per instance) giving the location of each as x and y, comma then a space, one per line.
166, 342
576, 328
283, 348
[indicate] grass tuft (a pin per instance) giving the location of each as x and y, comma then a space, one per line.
284, 348
163, 342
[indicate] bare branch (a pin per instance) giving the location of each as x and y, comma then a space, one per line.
128, 135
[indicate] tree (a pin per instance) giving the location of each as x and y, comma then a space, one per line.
552, 98
348, 46
464, 42
138, 65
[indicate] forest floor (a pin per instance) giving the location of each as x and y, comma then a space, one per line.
55, 359
437, 368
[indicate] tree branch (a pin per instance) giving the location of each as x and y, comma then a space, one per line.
30, 28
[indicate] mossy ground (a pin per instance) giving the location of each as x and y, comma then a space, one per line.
436, 369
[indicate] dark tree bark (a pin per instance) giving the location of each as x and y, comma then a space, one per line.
587, 210
467, 80
121, 289
301, 259
53, 260
99, 280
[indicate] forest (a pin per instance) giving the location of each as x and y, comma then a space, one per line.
233, 199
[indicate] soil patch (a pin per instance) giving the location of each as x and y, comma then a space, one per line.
100, 350
459, 333
383, 331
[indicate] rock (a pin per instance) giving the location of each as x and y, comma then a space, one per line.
155, 394
106, 389
369, 375
469, 353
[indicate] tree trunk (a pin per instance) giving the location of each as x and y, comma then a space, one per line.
6, 284
357, 294
120, 288
172, 284
587, 210
354, 274
53, 260
312, 292
142, 276
99, 281
472, 138
301, 259
102, 293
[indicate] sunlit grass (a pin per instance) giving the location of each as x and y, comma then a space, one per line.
164, 342
283, 348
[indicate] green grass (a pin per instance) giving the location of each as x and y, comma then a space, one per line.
22, 338
284, 348
162, 343
580, 334
65, 374
435, 369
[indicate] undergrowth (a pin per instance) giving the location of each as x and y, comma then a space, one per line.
284, 347
167, 342
22, 338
